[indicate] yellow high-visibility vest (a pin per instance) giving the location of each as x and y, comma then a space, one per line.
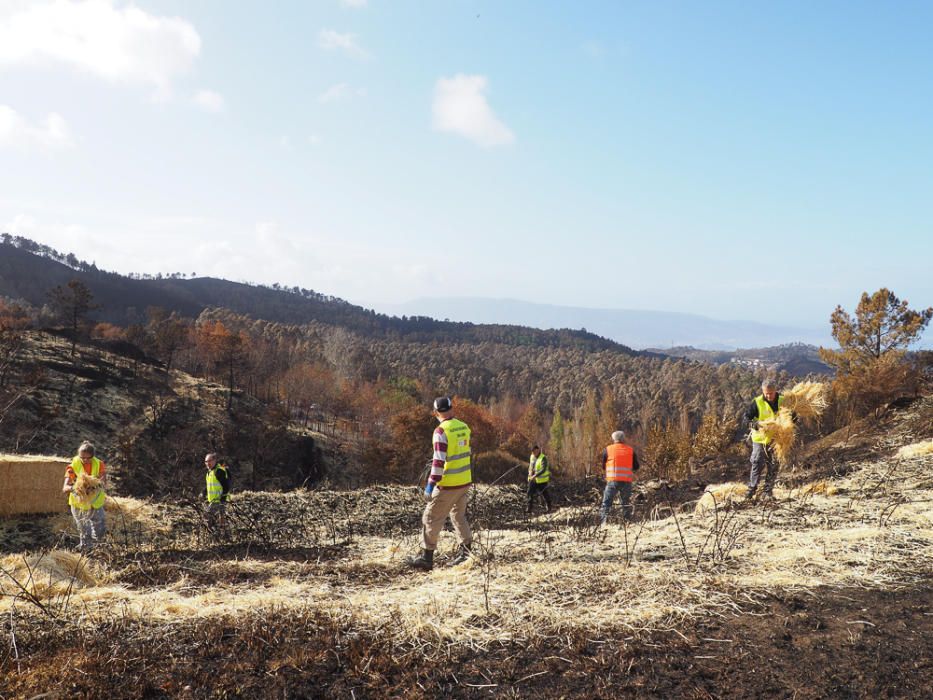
765, 412
457, 470
535, 464
78, 467
214, 489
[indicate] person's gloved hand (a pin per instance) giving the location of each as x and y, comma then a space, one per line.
429, 488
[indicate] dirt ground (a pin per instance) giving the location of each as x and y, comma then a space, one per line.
832, 644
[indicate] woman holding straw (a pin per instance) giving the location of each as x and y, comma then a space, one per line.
84, 484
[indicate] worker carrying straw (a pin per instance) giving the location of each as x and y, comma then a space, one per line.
84, 484
765, 408
447, 488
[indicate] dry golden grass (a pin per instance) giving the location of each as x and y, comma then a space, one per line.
720, 496
807, 399
122, 513
917, 449
823, 487
782, 433
524, 583
45, 575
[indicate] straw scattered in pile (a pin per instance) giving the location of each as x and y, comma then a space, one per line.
86, 488
917, 449
718, 496
45, 575
806, 399
822, 487
782, 434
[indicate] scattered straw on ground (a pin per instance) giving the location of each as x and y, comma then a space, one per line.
720, 496
873, 528
918, 449
45, 575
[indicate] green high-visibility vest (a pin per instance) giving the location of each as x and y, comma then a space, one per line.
457, 469
214, 489
534, 466
78, 467
764, 412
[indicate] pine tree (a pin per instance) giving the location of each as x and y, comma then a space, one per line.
870, 363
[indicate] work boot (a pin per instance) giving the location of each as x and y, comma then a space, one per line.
424, 562
461, 556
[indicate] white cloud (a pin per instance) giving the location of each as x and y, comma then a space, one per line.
331, 40
314, 139
356, 4
17, 132
339, 92
210, 101
101, 37
460, 107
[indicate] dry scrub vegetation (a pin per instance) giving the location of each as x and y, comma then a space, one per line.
310, 588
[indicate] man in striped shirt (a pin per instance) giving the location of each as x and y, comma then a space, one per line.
448, 487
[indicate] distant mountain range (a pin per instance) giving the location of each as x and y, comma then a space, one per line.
637, 329
29, 269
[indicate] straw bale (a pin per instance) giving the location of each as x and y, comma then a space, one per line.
783, 433
31, 485
807, 399
45, 575
917, 449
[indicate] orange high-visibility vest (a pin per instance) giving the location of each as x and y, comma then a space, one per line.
619, 462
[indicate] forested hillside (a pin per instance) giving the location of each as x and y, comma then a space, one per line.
28, 270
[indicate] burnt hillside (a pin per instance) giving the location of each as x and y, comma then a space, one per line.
28, 271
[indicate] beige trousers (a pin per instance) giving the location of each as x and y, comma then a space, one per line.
442, 503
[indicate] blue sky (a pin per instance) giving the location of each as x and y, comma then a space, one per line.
737, 160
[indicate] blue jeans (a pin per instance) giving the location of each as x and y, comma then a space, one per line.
624, 489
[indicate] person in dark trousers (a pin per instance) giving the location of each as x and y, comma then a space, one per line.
539, 479
217, 479
763, 407
620, 463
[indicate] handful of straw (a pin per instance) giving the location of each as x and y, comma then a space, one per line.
86, 488
782, 433
806, 399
